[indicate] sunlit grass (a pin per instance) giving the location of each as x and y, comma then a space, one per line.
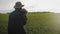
37, 23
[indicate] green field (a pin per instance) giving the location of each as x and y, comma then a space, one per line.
37, 23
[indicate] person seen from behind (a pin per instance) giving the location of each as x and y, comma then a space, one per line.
17, 19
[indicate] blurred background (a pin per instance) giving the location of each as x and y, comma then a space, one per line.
43, 16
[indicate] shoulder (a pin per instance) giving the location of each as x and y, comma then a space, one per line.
12, 13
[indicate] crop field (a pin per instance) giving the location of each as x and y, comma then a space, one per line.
37, 23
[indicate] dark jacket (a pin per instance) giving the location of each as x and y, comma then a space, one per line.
16, 23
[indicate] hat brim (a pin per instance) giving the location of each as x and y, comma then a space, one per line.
18, 6
22, 5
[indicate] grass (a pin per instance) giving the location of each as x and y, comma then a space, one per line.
3, 23
37, 23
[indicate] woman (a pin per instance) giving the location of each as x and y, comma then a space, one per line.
17, 20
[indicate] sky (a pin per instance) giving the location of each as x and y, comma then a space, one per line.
33, 5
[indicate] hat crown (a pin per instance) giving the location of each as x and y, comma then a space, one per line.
18, 5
